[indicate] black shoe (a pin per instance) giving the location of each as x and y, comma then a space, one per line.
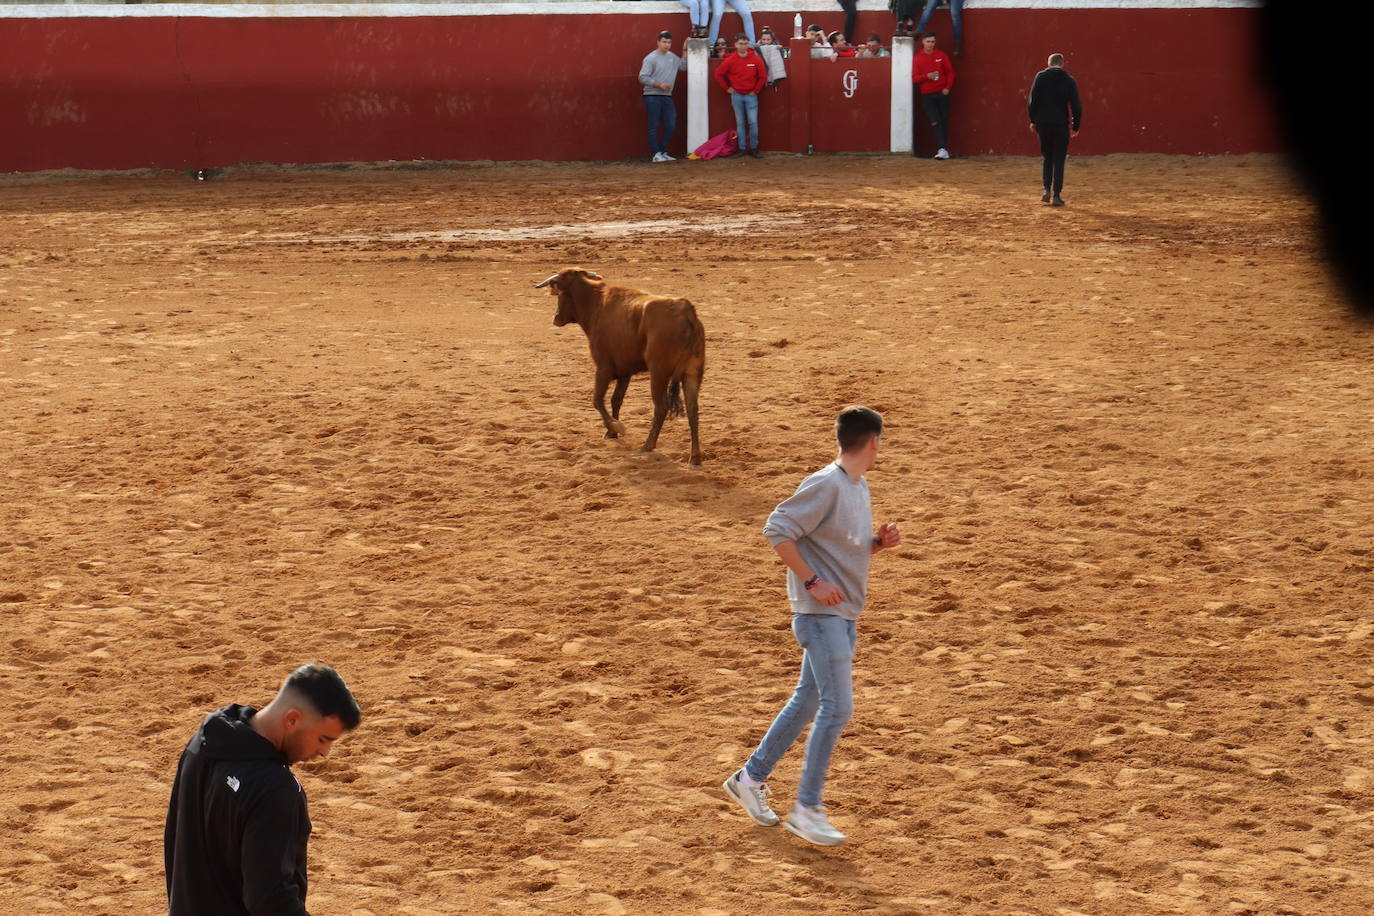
736, 154
1057, 202
1045, 198
756, 154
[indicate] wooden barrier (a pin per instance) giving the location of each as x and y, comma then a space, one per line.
155, 88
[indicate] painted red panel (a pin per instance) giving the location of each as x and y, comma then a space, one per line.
170, 92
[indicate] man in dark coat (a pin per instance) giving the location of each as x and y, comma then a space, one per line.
1055, 114
237, 824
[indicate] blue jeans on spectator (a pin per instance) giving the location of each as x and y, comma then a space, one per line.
699, 11
661, 110
739, 6
956, 13
746, 114
824, 698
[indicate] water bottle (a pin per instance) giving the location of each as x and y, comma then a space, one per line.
796, 26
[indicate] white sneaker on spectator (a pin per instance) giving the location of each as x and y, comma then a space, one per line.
812, 825
667, 158
753, 799
658, 157
942, 154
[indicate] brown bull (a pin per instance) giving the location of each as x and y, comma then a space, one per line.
630, 332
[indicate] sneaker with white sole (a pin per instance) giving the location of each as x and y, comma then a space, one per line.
753, 799
666, 158
812, 825
658, 157
942, 153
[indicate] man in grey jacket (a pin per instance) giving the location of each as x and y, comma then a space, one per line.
824, 534
657, 75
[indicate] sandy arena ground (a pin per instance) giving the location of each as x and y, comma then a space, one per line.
1121, 666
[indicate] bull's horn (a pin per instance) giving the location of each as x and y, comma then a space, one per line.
591, 274
545, 283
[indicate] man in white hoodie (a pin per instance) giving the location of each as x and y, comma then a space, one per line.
824, 534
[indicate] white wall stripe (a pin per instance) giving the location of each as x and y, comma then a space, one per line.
566, 8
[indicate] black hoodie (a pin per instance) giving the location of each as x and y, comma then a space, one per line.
1053, 95
237, 825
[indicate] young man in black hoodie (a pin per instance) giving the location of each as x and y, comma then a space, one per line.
1053, 103
237, 825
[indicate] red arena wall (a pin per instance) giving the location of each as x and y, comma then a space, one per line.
200, 91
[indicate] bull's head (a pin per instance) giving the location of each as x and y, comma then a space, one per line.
559, 285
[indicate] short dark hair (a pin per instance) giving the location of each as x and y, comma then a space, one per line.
876, 37
856, 425
741, 35
925, 35
833, 37
1056, 60
327, 692
666, 34
814, 28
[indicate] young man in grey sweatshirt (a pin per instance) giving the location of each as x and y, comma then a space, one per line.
824, 534
657, 75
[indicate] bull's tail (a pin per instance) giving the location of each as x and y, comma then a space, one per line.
675, 398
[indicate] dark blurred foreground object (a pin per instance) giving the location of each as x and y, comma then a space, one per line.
1312, 66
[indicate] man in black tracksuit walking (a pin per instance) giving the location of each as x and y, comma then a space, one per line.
1053, 99
237, 825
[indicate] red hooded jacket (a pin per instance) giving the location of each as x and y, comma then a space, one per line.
747, 74
936, 61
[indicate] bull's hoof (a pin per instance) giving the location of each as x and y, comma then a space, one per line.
696, 459
611, 435
615, 428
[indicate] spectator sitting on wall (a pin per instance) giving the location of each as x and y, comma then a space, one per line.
700, 13
772, 55
841, 47
874, 47
720, 48
745, 17
820, 48
906, 15
956, 15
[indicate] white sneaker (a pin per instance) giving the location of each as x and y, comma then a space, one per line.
667, 158
753, 799
658, 157
812, 825
942, 154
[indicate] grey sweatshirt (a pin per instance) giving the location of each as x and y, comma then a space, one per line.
660, 68
830, 518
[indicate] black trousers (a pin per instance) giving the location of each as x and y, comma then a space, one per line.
936, 107
851, 13
1054, 147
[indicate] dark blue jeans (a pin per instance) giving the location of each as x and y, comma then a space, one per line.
956, 12
660, 110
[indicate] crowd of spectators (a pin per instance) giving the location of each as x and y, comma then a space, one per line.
753, 64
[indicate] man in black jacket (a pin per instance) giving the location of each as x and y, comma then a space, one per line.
237, 825
1053, 101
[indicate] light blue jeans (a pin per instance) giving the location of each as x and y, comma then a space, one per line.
739, 6
956, 14
699, 11
824, 698
746, 115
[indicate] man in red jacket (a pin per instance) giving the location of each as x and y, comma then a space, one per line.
743, 74
934, 74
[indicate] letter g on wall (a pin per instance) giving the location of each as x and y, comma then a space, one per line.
851, 83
